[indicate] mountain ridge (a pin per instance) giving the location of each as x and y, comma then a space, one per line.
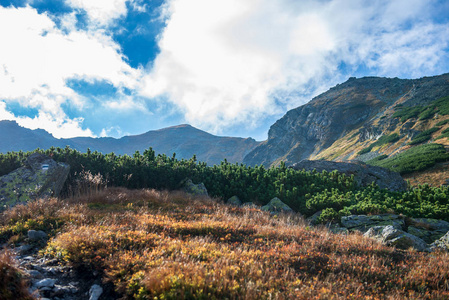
335, 124
184, 140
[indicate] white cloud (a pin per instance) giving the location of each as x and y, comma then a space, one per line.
101, 12
58, 127
221, 61
37, 58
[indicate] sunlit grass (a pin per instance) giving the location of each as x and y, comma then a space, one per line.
169, 245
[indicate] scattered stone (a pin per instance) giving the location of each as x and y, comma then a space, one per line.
276, 205
234, 201
195, 189
34, 235
47, 282
95, 292
40, 177
35, 274
391, 236
24, 249
363, 174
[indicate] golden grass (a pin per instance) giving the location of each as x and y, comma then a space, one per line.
161, 245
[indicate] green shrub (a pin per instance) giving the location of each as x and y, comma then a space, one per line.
423, 136
441, 123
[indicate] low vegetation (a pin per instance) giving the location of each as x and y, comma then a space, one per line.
423, 136
168, 245
305, 192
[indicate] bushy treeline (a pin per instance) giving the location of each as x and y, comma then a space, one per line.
305, 192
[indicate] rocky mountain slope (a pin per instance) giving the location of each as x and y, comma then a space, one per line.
360, 119
184, 140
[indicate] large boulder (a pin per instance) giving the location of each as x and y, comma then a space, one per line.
40, 177
276, 205
363, 174
391, 236
195, 189
363, 223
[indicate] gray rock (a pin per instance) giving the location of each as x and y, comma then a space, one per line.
45, 283
313, 219
34, 235
195, 189
363, 223
391, 236
24, 248
363, 174
35, 274
441, 244
276, 205
95, 292
235, 201
40, 177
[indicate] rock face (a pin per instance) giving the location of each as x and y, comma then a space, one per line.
357, 104
363, 174
40, 177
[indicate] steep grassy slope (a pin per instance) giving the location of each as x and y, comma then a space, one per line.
360, 119
159, 245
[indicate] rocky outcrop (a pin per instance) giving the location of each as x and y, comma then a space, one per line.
276, 205
391, 236
363, 223
357, 104
363, 174
40, 177
422, 234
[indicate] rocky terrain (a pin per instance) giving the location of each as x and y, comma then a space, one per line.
339, 123
184, 140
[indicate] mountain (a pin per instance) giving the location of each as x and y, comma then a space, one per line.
184, 140
360, 119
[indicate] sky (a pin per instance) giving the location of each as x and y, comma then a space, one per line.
230, 67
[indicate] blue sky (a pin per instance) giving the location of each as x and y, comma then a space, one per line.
229, 67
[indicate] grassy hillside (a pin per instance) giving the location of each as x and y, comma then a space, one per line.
167, 245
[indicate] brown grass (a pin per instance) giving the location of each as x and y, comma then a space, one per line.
154, 244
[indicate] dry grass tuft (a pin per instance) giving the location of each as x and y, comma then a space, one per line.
12, 283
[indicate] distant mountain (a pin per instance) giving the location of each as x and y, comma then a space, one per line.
184, 140
360, 119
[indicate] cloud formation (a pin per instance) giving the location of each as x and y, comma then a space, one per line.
37, 59
223, 62
222, 65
